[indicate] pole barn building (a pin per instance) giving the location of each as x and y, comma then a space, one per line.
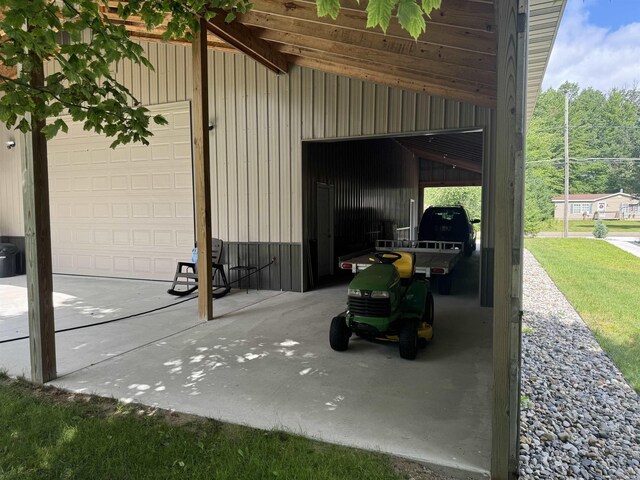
279, 118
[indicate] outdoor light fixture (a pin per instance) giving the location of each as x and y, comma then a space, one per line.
11, 144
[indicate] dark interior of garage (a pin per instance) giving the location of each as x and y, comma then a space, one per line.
358, 191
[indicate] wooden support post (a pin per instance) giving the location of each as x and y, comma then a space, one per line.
202, 171
511, 21
38, 247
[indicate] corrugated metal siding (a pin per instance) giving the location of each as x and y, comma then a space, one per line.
11, 213
260, 120
374, 181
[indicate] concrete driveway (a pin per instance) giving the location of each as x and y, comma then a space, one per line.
265, 362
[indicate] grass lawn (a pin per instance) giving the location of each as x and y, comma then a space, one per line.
614, 226
48, 433
602, 283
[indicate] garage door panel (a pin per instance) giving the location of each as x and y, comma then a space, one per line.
126, 212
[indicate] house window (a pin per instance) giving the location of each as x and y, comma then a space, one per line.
581, 208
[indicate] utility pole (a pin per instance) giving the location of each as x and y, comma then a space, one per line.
566, 165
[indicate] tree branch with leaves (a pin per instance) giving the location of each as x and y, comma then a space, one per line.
86, 45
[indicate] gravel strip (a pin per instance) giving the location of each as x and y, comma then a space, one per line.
580, 419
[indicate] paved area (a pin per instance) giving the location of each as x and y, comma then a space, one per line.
265, 362
633, 247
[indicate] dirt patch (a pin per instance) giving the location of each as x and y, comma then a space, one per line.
417, 471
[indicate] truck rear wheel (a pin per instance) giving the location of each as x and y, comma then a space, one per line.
339, 334
409, 340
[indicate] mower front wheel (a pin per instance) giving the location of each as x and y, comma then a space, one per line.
339, 334
408, 340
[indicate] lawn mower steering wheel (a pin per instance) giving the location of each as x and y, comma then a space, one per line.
387, 258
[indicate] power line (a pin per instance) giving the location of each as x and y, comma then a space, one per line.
552, 161
584, 126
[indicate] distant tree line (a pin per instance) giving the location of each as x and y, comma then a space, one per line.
604, 147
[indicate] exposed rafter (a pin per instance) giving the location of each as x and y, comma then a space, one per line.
242, 38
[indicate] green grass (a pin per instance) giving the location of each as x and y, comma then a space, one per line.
602, 283
50, 434
614, 226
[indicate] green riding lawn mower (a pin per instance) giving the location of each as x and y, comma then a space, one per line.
387, 301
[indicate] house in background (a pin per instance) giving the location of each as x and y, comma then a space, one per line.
603, 206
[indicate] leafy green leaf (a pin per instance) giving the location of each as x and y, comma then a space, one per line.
379, 13
411, 18
328, 7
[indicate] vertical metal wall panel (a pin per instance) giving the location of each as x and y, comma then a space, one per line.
331, 106
395, 110
295, 148
423, 112
355, 104
232, 140
381, 111
376, 184
368, 108
163, 76
260, 121
452, 114
264, 219
286, 177
252, 152
273, 129
180, 68
408, 111
11, 213
319, 104
343, 98
437, 113
241, 148
172, 77
144, 79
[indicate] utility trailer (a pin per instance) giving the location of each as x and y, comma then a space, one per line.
434, 258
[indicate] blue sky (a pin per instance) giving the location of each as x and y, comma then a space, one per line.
598, 45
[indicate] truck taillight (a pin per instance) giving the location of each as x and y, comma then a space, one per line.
437, 270
346, 266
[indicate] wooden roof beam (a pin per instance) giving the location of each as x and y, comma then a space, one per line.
377, 57
460, 90
437, 34
457, 13
442, 55
241, 37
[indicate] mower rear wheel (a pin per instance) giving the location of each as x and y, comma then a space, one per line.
428, 310
409, 340
339, 334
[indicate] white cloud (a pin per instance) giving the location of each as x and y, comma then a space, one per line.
593, 56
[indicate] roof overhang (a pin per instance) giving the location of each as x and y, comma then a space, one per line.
454, 58
544, 21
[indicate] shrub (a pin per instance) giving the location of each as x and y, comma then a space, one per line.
600, 230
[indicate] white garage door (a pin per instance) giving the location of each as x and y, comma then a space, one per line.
125, 212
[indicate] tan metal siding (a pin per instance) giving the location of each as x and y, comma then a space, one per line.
260, 119
11, 214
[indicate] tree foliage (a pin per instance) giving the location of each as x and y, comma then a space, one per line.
601, 126
468, 197
411, 13
84, 86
